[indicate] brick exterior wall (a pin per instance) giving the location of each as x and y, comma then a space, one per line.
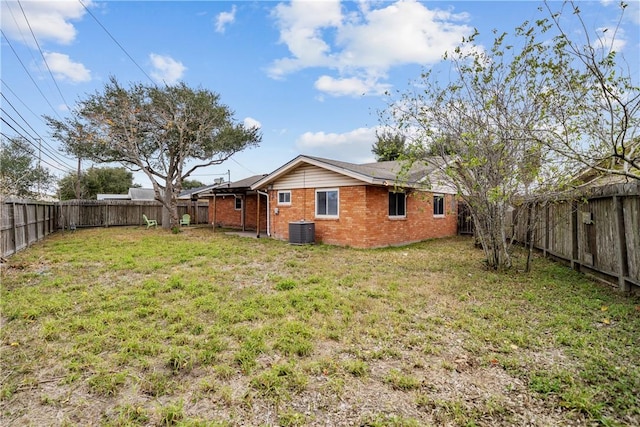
226, 214
364, 218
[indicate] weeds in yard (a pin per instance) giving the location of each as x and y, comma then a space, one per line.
106, 383
172, 413
401, 381
127, 415
357, 368
294, 339
157, 384
279, 382
383, 420
291, 419
233, 326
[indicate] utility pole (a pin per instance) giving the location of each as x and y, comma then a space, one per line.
39, 166
78, 178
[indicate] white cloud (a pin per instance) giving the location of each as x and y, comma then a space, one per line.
166, 69
610, 40
353, 146
65, 69
401, 33
633, 12
301, 24
250, 122
362, 45
225, 18
49, 20
352, 86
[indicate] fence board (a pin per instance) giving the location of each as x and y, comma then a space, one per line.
107, 213
631, 212
560, 229
591, 233
24, 222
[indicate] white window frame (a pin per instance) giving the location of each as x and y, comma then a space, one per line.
284, 192
327, 190
405, 204
235, 206
444, 205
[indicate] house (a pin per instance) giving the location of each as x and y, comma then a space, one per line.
359, 205
137, 194
236, 205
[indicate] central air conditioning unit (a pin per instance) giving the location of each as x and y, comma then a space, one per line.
302, 232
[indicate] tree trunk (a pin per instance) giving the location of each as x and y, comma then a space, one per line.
490, 232
530, 237
170, 211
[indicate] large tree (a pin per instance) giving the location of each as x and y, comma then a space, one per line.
389, 145
166, 132
524, 115
478, 122
189, 184
593, 104
20, 173
96, 181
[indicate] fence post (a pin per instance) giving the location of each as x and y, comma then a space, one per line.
546, 228
574, 236
25, 221
15, 228
623, 260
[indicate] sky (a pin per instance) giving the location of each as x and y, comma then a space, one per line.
311, 74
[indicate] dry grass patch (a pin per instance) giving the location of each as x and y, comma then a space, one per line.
128, 326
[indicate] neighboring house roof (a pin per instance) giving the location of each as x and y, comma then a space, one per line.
242, 185
590, 177
134, 194
188, 194
389, 173
142, 194
113, 197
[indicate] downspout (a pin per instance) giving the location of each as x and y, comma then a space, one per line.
268, 213
242, 212
213, 222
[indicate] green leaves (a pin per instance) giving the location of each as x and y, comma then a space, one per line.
157, 130
20, 175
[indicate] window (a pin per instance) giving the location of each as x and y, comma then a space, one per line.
327, 203
438, 205
238, 203
397, 204
284, 197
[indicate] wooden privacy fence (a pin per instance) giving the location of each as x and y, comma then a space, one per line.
24, 222
107, 213
597, 231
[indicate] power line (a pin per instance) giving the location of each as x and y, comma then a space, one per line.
42, 54
37, 148
242, 166
30, 143
53, 150
19, 28
28, 137
21, 101
116, 41
29, 74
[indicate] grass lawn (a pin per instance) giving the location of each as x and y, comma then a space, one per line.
128, 326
